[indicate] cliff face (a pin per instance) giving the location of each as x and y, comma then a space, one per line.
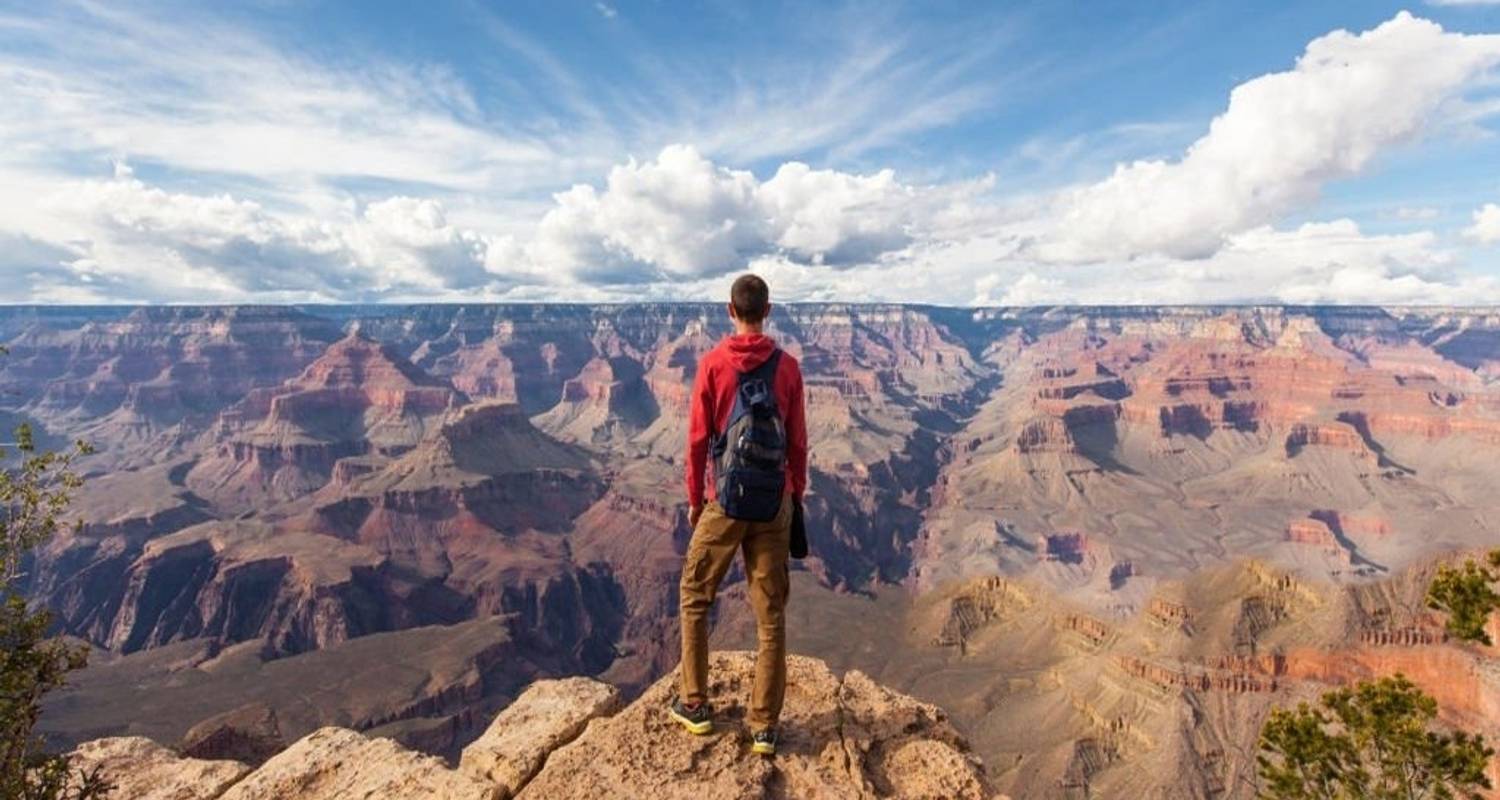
843, 738
277, 486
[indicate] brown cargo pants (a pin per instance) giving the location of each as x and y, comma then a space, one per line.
708, 558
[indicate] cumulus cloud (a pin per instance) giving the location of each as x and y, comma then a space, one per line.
1486, 227
682, 216
230, 247
1283, 136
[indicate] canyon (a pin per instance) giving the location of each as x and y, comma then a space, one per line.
1106, 540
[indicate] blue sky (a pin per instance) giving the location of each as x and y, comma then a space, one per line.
943, 152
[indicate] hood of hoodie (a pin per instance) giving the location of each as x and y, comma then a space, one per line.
746, 351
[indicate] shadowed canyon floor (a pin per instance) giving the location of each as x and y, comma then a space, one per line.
1106, 540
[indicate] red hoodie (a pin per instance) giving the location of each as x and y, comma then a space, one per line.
713, 398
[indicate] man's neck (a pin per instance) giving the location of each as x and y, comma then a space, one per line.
742, 328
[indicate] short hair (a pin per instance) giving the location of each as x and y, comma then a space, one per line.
750, 297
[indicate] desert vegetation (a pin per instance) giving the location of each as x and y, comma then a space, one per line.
1467, 593
35, 488
1377, 740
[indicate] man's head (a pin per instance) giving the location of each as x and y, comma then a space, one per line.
749, 300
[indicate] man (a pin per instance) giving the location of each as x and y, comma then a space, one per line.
747, 412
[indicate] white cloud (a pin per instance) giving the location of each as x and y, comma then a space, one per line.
681, 216
607, 11
1283, 136
1332, 262
1486, 227
1463, 2
1197, 229
229, 248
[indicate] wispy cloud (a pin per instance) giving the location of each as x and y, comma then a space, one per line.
98, 84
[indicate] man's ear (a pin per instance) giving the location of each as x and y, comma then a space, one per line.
768, 311
730, 307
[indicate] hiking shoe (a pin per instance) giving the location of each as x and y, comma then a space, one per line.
699, 721
764, 742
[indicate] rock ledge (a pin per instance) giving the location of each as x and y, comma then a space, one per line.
842, 738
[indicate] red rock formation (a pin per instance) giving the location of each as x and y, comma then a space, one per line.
357, 398
1454, 677
1045, 435
977, 605
1094, 632
1315, 533
1197, 679
1069, 547
1354, 526
1171, 613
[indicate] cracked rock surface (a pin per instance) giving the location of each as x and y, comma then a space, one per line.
849, 738
546, 716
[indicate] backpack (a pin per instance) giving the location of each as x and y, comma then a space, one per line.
749, 457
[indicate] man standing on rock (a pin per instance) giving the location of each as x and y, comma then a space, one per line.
748, 417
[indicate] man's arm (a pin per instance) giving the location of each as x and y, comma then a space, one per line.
796, 435
700, 432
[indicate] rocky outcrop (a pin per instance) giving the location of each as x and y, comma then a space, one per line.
978, 604
841, 738
1317, 534
278, 443
1068, 547
1336, 435
249, 734
547, 716
332, 763
141, 769
1170, 613
609, 398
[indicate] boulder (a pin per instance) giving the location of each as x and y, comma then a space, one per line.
546, 716
141, 769
334, 763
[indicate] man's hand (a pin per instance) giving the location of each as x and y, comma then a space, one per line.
694, 512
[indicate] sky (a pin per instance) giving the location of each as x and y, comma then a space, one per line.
1109, 152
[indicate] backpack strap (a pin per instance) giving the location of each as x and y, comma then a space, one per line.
765, 371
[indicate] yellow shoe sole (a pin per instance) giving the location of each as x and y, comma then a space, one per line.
763, 749
696, 728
